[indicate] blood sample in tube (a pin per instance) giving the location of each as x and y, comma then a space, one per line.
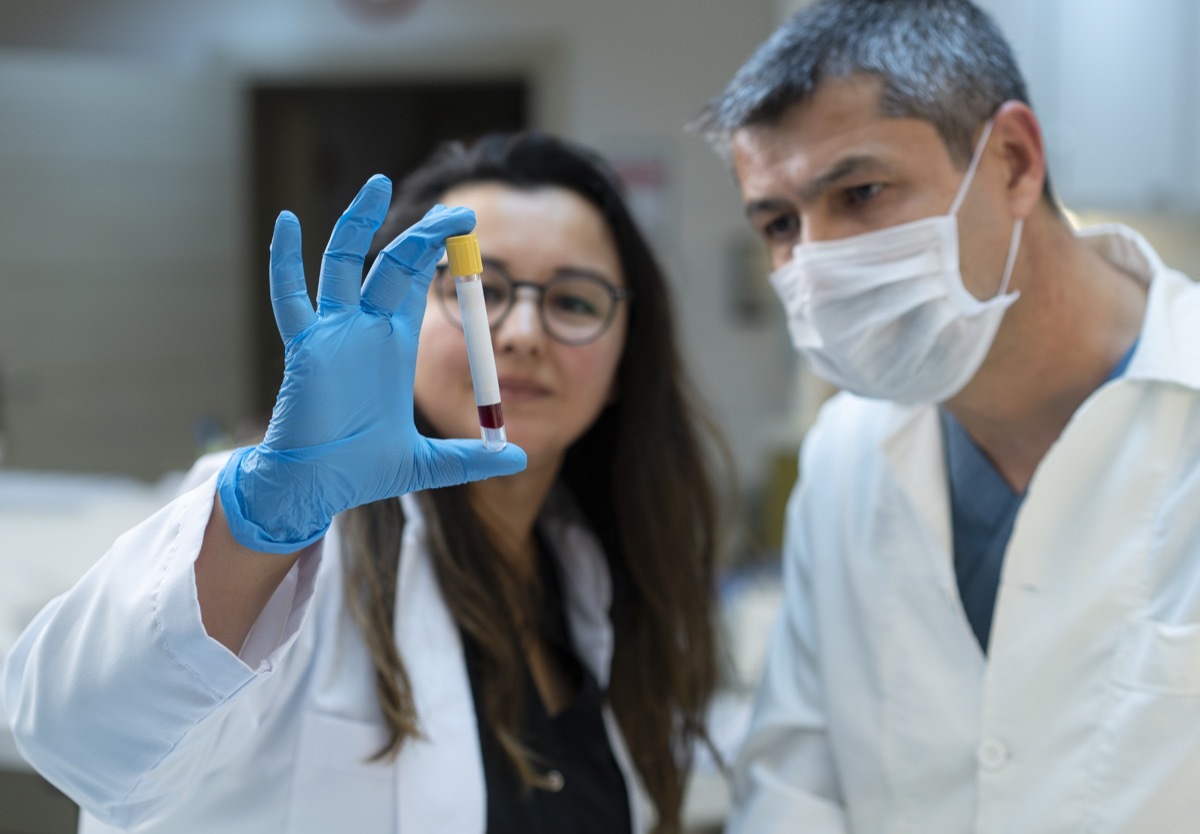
466, 266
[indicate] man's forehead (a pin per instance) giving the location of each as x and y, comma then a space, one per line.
813, 138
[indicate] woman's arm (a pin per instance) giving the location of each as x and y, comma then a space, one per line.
233, 582
114, 691
117, 690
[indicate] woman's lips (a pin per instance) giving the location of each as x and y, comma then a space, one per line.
512, 388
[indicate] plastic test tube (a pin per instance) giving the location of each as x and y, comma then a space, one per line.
466, 266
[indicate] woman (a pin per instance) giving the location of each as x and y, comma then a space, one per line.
528, 653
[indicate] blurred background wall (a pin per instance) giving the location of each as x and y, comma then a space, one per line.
145, 147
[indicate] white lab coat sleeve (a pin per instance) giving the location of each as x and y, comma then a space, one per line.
784, 776
115, 692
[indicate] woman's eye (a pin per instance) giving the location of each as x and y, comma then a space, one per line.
574, 305
493, 294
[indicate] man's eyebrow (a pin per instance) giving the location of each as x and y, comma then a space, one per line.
842, 169
769, 205
845, 168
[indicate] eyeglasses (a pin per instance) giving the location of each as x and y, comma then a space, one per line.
575, 307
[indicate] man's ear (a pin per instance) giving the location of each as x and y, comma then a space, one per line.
1020, 137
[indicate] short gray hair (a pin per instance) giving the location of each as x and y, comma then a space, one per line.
944, 61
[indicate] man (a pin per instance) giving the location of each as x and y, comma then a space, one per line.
992, 566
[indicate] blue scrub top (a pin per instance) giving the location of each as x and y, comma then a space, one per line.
983, 508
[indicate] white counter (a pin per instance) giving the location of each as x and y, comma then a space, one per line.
53, 527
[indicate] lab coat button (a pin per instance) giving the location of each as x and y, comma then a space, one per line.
993, 755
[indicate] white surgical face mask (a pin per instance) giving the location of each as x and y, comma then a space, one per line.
886, 315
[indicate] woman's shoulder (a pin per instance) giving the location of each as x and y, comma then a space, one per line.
202, 469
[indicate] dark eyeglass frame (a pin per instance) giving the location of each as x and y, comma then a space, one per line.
494, 268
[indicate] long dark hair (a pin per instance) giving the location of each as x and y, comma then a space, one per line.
640, 475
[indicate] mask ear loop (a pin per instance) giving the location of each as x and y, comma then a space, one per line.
970, 175
1014, 242
1013, 245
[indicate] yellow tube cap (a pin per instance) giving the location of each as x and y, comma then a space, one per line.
463, 253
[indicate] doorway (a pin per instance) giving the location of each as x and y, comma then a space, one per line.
314, 145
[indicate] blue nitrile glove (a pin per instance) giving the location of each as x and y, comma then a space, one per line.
342, 431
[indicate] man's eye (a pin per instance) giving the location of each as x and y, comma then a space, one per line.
863, 193
784, 226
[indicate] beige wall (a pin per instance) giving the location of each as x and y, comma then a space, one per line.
122, 316
121, 321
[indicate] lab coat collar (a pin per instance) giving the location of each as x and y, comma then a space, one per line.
440, 772
587, 583
913, 447
916, 459
430, 643
1168, 349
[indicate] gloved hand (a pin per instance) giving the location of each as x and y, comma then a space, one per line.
342, 431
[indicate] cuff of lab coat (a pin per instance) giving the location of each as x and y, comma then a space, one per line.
279, 622
177, 606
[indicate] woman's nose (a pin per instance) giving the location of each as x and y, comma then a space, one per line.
522, 328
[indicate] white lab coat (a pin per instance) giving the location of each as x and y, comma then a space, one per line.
117, 695
879, 713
